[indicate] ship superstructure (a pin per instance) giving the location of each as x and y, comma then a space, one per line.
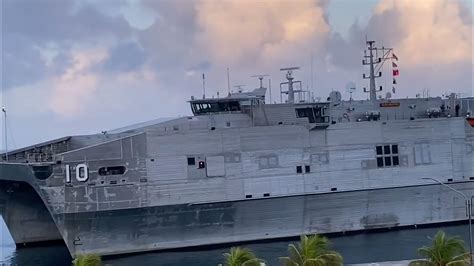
240, 169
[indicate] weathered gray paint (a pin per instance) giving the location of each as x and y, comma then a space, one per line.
249, 188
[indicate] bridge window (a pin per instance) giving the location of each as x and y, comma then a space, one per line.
214, 107
314, 114
112, 170
387, 155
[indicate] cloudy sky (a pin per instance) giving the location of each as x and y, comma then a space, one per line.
76, 67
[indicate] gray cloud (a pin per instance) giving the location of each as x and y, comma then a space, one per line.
22, 63
30, 27
87, 51
126, 56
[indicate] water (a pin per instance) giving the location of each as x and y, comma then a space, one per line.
359, 248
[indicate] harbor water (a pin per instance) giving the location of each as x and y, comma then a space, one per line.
356, 248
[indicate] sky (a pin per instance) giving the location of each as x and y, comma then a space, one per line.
83, 66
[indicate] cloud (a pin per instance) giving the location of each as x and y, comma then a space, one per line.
246, 32
430, 31
126, 56
74, 89
34, 32
432, 39
85, 60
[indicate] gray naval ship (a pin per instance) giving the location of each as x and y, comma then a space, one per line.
240, 169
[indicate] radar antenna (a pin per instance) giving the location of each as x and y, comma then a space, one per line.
290, 83
239, 87
260, 77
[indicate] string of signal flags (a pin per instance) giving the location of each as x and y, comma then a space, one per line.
395, 71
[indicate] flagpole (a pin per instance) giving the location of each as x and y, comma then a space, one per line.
4, 110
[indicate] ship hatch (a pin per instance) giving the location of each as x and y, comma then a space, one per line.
42, 171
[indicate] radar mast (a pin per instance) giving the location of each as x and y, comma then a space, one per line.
375, 65
290, 83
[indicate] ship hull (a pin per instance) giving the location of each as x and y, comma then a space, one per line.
28, 220
178, 226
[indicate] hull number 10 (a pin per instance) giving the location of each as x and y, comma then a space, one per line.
82, 173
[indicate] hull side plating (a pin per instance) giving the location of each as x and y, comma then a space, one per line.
25, 214
135, 230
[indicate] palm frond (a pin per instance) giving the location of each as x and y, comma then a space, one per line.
444, 250
87, 260
241, 257
287, 261
312, 250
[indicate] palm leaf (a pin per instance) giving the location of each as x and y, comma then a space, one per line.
445, 250
241, 257
312, 250
87, 260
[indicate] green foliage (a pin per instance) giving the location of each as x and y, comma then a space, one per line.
445, 251
241, 257
87, 260
312, 251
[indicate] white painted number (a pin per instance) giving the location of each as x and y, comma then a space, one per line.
82, 173
68, 174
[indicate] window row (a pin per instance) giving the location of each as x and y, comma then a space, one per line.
387, 155
299, 169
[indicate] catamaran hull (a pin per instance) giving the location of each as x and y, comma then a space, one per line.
27, 218
178, 226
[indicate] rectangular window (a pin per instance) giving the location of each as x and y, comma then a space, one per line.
191, 161
379, 150
380, 162
299, 169
307, 168
395, 160
387, 155
394, 149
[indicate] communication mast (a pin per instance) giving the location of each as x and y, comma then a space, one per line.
375, 64
260, 77
291, 91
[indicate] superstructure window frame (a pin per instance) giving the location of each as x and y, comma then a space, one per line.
387, 155
112, 170
315, 114
215, 107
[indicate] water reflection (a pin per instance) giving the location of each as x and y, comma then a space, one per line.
360, 248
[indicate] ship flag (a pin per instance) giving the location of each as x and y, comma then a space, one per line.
396, 72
